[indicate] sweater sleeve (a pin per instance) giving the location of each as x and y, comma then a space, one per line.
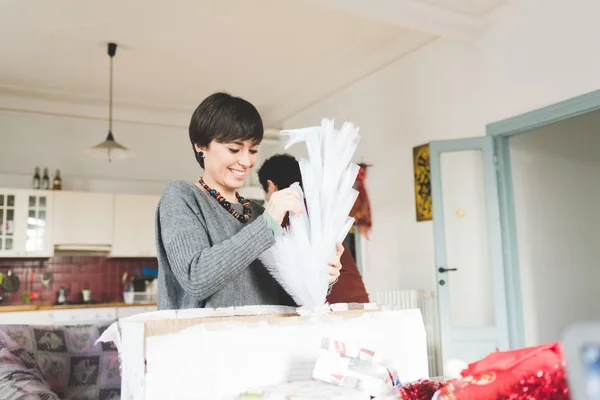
202, 269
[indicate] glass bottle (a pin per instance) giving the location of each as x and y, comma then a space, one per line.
45, 180
57, 184
36, 178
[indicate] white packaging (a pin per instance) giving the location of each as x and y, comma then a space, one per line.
350, 365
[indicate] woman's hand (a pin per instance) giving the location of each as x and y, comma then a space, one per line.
335, 265
283, 201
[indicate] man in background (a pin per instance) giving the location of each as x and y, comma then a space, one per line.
280, 172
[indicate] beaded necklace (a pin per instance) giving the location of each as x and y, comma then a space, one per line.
227, 205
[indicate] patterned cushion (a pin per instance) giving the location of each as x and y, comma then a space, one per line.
66, 358
18, 380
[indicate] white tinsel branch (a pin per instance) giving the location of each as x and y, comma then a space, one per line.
300, 257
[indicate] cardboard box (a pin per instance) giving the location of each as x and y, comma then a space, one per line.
216, 354
303, 390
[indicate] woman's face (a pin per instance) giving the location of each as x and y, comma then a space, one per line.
228, 164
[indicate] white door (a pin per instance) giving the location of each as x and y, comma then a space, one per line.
468, 249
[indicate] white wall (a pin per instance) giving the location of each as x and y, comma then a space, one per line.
408, 103
556, 175
539, 52
535, 53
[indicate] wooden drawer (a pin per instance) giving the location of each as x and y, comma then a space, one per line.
84, 316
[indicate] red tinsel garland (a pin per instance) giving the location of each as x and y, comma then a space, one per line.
420, 390
545, 385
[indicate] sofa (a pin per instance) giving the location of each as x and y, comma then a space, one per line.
58, 362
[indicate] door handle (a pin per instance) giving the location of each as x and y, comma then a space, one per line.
442, 269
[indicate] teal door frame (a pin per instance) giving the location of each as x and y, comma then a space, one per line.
501, 131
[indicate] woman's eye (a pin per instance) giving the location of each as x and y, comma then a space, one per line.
234, 150
253, 151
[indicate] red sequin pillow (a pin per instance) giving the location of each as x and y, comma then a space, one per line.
500, 372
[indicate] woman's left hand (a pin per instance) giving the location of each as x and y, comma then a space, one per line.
335, 265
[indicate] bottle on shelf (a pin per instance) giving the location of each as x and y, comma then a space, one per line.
57, 183
36, 178
46, 180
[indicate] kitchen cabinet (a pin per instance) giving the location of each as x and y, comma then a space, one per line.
26, 223
79, 316
83, 220
84, 316
36, 223
134, 234
123, 312
26, 318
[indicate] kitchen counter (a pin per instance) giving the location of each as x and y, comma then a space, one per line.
49, 306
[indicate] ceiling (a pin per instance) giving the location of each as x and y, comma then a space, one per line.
474, 8
282, 55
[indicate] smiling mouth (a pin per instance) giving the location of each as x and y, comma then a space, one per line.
237, 173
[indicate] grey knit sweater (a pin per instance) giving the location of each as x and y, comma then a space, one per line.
207, 258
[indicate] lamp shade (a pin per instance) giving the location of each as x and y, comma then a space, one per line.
109, 149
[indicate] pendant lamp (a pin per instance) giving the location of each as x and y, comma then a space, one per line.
110, 148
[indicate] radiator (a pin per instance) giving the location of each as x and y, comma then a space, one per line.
426, 301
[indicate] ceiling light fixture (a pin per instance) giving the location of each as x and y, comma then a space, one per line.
110, 148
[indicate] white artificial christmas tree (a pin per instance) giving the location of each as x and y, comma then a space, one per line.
300, 257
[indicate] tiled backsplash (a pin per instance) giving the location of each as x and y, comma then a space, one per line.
99, 274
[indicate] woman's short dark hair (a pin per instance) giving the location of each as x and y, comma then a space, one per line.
224, 118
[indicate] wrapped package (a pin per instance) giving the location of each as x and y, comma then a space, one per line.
350, 349
501, 373
299, 259
348, 365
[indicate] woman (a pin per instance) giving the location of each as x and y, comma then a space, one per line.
208, 236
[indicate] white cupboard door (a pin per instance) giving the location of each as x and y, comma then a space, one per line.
84, 316
12, 223
123, 312
26, 318
134, 226
25, 223
83, 219
38, 214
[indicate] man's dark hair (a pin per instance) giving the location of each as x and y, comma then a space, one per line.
282, 169
224, 118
